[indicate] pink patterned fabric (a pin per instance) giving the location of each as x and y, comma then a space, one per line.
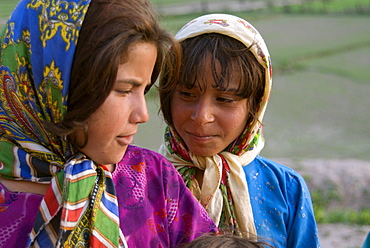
156, 208
17, 215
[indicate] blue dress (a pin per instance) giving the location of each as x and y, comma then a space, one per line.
281, 204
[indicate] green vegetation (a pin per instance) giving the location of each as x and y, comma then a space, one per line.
6, 7
324, 213
329, 6
347, 216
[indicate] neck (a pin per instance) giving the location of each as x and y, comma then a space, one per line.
110, 167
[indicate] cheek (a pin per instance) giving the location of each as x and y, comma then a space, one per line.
175, 112
97, 123
176, 120
236, 120
109, 114
101, 124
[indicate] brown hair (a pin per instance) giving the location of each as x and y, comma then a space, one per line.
110, 26
224, 241
234, 58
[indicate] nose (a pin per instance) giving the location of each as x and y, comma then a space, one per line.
202, 112
140, 112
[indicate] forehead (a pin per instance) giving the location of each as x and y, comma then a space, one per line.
211, 71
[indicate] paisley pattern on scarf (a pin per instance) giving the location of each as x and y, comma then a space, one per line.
224, 191
37, 49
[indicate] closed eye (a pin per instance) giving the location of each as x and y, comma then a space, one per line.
124, 92
186, 94
225, 100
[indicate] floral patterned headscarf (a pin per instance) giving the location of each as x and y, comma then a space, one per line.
224, 191
37, 46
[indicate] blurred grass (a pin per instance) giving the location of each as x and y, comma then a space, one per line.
329, 6
6, 7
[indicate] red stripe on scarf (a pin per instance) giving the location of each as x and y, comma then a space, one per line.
73, 215
51, 201
96, 243
225, 170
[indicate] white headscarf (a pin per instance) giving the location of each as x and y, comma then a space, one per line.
252, 140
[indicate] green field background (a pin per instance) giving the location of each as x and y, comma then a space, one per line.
319, 107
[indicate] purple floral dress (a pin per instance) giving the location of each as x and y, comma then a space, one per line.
156, 208
17, 214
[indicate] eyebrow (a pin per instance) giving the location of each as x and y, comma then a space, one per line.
218, 88
228, 90
223, 89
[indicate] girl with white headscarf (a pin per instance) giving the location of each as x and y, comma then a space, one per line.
214, 106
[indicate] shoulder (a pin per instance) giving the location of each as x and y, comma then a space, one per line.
135, 153
281, 191
270, 171
153, 172
267, 165
144, 160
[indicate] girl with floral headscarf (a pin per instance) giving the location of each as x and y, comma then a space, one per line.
73, 74
214, 106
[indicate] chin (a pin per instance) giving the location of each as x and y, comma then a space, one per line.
203, 153
117, 159
120, 155
111, 158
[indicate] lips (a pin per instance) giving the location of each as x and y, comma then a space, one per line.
201, 136
125, 140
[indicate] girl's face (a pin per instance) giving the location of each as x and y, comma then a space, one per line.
112, 126
208, 120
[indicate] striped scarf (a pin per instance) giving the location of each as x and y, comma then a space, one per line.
83, 193
37, 47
